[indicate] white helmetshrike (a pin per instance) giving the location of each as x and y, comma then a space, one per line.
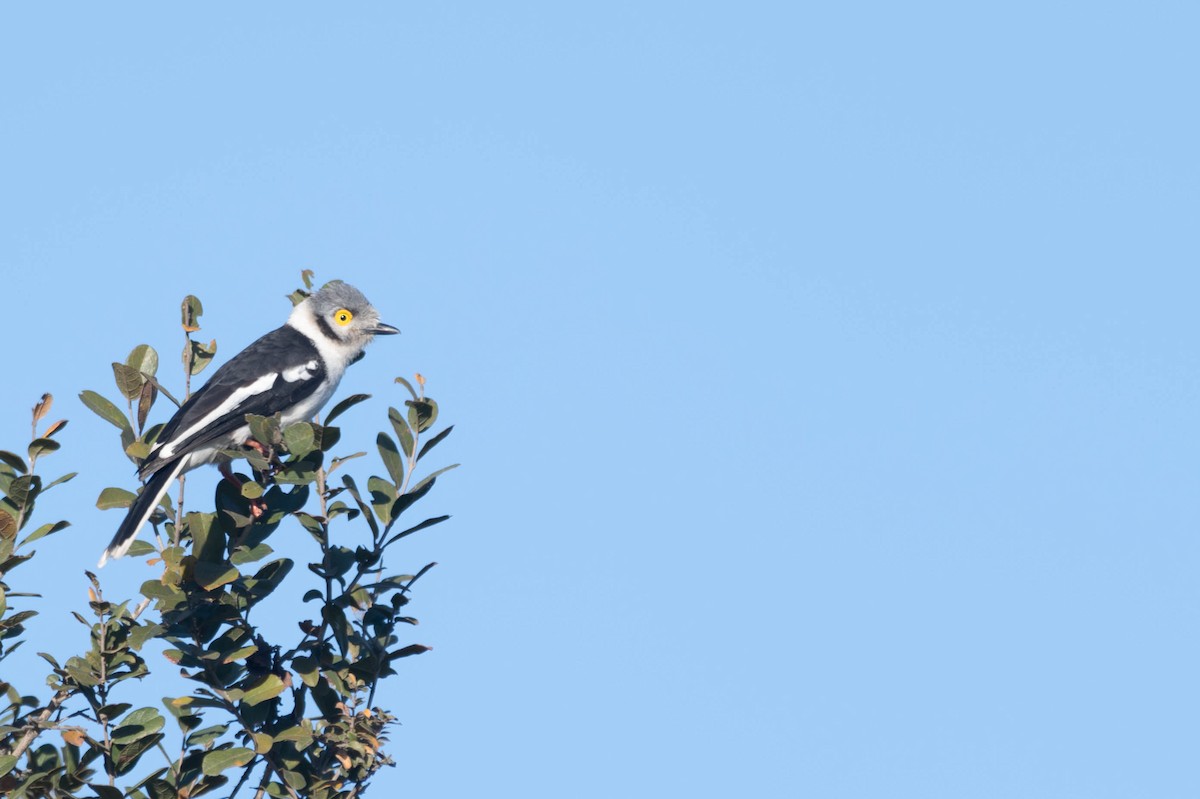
293, 371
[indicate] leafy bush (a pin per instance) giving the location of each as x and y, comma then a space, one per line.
293, 718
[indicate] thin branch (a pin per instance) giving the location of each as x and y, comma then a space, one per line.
35, 725
262, 784
242, 781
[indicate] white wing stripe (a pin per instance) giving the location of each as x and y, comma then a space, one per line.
302, 372
227, 407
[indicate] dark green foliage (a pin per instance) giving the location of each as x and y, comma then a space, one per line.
283, 718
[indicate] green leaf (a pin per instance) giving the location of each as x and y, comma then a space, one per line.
219, 760
296, 781
106, 791
298, 473
407, 500
391, 458
348, 481
138, 449
240, 654
402, 431
78, 670
138, 724
310, 523
65, 478
126, 757
339, 461
15, 461
139, 635
432, 475
268, 687
129, 380
7, 762
421, 414
345, 405
409, 386
383, 496
241, 554
127, 438
433, 442
337, 561
207, 735
330, 436
105, 410
264, 429
287, 501
45, 530
161, 789
300, 735
300, 439
144, 359
180, 706
335, 677
268, 578
8, 565
209, 575
408, 651
201, 355
190, 312
40, 446
17, 618
326, 698
145, 401
115, 498
23, 489
306, 667
207, 536
416, 527
156, 589
114, 710
139, 548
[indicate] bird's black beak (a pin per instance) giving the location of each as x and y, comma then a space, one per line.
381, 329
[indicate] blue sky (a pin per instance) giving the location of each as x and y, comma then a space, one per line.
824, 375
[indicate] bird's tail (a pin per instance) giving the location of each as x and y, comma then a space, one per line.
141, 509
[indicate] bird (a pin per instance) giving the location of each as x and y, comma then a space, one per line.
292, 371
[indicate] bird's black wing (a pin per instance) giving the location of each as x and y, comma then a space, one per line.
272, 374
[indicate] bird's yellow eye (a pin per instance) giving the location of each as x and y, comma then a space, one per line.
342, 317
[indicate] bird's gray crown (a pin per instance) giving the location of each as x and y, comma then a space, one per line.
335, 295
329, 304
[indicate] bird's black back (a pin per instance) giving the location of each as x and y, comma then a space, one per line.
277, 351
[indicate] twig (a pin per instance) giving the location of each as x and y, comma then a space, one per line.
262, 784
242, 781
36, 724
